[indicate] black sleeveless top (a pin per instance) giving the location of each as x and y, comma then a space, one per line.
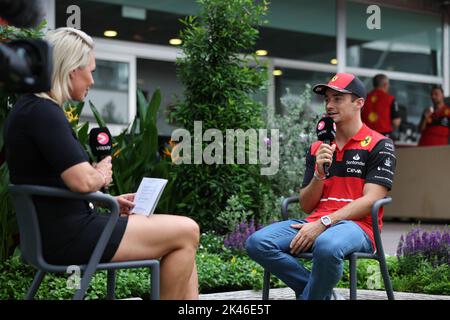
40, 144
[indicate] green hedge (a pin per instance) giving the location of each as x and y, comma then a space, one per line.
220, 269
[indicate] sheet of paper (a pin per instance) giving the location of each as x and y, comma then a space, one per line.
147, 195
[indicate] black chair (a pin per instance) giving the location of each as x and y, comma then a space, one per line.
31, 247
378, 255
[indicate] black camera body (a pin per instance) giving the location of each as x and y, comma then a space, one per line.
25, 65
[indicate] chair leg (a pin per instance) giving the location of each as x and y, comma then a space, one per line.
155, 282
35, 285
353, 277
266, 285
386, 278
111, 286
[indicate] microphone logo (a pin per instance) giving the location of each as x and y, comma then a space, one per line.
321, 125
103, 138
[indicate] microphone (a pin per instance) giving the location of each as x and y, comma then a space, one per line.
326, 132
100, 142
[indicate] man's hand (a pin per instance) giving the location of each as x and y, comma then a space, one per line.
324, 154
308, 232
428, 112
126, 203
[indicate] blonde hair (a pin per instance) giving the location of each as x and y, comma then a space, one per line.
71, 49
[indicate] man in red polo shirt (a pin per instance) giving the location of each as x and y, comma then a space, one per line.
435, 122
380, 111
362, 164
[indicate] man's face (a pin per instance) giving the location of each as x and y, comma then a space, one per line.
387, 86
437, 96
340, 107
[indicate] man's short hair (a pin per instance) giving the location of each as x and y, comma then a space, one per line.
437, 87
379, 80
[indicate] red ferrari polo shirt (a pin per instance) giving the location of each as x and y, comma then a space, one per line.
368, 157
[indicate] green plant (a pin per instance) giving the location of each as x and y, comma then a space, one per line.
8, 225
16, 277
218, 83
297, 132
235, 211
219, 270
135, 150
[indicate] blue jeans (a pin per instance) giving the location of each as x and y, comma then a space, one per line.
270, 248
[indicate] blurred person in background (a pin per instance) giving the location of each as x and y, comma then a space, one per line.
435, 122
380, 111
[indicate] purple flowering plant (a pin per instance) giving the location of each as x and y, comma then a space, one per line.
432, 246
236, 239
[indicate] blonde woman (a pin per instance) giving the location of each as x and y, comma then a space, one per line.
42, 149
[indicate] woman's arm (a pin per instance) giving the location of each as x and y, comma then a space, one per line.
83, 177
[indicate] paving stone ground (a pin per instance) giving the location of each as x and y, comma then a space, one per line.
288, 294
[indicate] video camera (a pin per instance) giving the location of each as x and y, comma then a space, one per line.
25, 65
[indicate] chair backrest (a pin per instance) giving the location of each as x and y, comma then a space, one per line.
27, 220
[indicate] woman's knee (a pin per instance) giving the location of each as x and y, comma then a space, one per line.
191, 230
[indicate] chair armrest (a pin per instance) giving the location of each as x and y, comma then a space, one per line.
375, 208
376, 231
284, 206
61, 193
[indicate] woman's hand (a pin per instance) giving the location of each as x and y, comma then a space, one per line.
105, 168
126, 203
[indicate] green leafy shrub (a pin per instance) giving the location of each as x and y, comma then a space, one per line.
297, 132
235, 212
218, 83
135, 151
220, 270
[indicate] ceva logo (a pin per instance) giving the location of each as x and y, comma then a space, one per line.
351, 170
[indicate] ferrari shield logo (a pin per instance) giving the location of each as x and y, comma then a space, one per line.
367, 140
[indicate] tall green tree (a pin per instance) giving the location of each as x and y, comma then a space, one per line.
220, 76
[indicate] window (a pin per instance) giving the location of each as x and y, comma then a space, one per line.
291, 84
407, 42
151, 75
153, 22
110, 92
300, 30
412, 97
